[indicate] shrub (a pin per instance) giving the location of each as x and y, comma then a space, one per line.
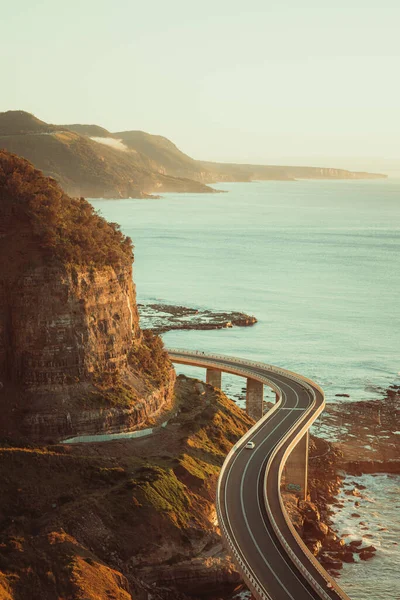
152, 358
67, 228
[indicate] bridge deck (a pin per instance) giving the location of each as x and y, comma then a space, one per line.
271, 556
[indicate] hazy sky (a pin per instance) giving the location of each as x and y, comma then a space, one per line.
226, 80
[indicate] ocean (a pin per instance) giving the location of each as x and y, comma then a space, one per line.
317, 262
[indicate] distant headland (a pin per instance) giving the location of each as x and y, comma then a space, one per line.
88, 160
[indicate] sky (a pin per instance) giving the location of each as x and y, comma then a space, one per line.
248, 81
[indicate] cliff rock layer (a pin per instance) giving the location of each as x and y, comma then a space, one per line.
72, 356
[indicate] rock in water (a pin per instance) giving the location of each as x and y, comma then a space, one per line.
73, 359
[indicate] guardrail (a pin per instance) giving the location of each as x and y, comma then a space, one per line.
243, 566
253, 363
204, 362
295, 535
311, 387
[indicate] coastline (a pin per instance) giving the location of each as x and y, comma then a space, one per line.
345, 432
161, 317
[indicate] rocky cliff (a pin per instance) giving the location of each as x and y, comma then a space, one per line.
72, 356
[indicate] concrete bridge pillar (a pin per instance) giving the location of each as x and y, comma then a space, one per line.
296, 468
254, 399
214, 377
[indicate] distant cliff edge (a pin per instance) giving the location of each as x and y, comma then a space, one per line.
88, 160
72, 356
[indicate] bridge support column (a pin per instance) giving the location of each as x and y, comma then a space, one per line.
214, 377
254, 399
296, 468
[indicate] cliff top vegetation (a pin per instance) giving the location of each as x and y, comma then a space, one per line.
63, 227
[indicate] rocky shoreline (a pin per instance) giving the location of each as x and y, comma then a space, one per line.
161, 318
314, 518
355, 429
146, 506
366, 430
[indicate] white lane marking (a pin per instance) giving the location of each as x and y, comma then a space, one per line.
244, 512
242, 484
256, 433
303, 409
226, 504
278, 548
258, 502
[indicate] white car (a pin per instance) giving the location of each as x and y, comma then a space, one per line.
250, 445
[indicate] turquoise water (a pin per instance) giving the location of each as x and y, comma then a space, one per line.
376, 579
317, 262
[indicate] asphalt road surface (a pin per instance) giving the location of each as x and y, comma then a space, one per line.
274, 562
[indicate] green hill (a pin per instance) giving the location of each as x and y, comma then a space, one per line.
18, 122
164, 156
88, 130
88, 160
83, 166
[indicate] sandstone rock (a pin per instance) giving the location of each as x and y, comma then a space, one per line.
332, 541
310, 510
354, 492
330, 562
315, 529
314, 546
73, 359
199, 387
367, 553
347, 557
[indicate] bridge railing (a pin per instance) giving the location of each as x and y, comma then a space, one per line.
253, 363
204, 361
207, 360
299, 541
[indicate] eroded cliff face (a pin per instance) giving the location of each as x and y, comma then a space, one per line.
70, 341
70, 323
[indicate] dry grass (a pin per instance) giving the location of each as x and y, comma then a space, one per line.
74, 519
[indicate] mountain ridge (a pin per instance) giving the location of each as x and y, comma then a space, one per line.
88, 160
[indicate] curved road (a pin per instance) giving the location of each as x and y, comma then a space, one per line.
274, 562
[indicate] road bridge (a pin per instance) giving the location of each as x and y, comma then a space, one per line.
271, 556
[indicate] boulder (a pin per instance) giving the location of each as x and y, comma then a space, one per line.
314, 546
355, 543
315, 529
310, 510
